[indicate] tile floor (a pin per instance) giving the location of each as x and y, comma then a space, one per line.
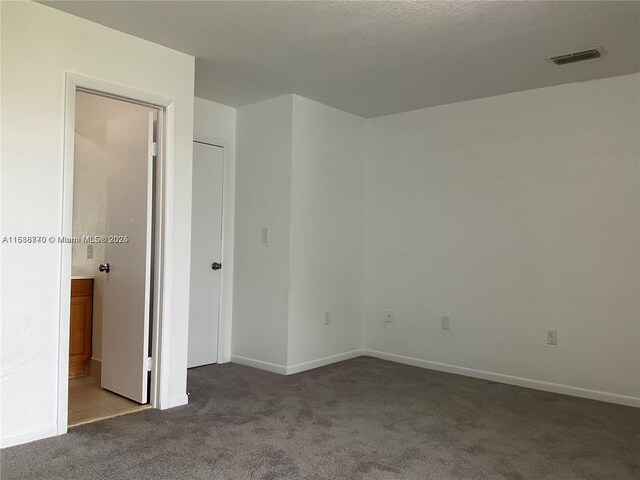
89, 402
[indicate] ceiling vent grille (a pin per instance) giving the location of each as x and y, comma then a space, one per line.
577, 56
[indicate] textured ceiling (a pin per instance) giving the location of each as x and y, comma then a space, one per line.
377, 58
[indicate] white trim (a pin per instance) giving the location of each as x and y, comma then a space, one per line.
321, 362
149, 256
252, 362
164, 242
29, 436
225, 320
509, 379
177, 401
158, 341
65, 255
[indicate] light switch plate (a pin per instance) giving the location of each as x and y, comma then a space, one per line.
265, 235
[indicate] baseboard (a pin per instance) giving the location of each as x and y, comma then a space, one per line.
509, 379
252, 362
95, 369
321, 362
29, 436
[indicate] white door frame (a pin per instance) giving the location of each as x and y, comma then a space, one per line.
226, 281
159, 395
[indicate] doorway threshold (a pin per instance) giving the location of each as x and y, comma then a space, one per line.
89, 402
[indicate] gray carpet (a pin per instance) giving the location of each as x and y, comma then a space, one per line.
360, 419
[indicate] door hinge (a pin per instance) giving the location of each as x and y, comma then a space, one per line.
154, 149
149, 364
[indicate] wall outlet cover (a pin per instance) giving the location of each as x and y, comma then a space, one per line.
389, 317
445, 323
552, 337
327, 318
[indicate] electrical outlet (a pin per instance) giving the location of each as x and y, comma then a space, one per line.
89, 251
389, 318
327, 318
445, 323
265, 235
552, 337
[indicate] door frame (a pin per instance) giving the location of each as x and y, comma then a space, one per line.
226, 281
163, 224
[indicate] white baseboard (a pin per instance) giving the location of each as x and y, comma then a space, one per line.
321, 362
252, 362
509, 379
29, 436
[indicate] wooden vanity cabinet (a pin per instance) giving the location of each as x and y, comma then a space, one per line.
81, 325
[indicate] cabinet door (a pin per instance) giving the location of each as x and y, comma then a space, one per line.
80, 335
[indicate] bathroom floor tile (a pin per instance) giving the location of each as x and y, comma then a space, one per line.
88, 401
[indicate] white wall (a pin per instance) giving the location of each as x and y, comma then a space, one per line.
300, 174
218, 122
214, 120
261, 271
39, 45
512, 215
325, 267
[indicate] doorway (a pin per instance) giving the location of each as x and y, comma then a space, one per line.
111, 304
206, 253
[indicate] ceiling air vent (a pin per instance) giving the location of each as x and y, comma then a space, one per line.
577, 56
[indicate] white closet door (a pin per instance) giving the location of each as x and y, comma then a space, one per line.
206, 254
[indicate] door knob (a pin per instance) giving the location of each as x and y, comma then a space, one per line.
216, 266
104, 267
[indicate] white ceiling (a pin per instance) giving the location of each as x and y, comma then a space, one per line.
377, 58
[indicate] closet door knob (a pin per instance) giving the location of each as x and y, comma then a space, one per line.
216, 266
104, 267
